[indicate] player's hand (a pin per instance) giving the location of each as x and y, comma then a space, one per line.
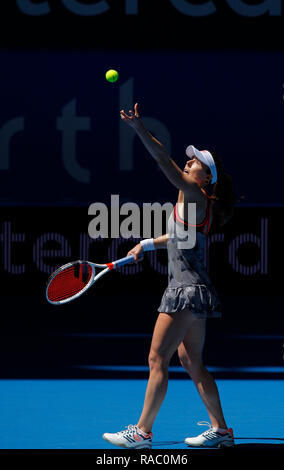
132, 118
136, 251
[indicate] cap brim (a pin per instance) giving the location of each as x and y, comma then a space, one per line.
191, 152
204, 157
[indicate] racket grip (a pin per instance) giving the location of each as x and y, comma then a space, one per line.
127, 260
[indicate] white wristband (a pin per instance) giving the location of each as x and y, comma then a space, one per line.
148, 244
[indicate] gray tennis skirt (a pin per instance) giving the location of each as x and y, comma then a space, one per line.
189, 285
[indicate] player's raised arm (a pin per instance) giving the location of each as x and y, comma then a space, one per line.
158, 151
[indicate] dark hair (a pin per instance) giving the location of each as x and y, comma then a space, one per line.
223, 195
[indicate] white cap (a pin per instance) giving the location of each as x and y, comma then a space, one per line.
205, 157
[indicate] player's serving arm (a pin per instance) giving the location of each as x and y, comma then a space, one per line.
176, 176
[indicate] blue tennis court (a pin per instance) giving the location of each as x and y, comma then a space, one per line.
73, 414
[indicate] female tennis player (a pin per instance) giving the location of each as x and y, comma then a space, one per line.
190, 297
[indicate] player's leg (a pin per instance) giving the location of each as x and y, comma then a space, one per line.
190, 355
168, 333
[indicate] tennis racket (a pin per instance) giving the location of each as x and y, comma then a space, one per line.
73, 279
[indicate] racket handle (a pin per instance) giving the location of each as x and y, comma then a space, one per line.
127, 260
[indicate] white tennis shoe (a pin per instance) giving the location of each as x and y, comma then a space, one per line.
132, 438
211, 438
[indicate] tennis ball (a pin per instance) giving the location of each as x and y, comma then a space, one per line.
112, 76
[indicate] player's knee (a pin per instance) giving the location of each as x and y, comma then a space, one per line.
157, 361
191, 365
185, 362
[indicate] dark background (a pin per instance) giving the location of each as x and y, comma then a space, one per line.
214, 81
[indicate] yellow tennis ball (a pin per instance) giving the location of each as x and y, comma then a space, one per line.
112, 76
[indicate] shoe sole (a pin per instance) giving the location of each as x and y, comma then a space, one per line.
222, 445
124, 446
226, 445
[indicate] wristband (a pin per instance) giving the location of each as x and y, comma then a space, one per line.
148, 244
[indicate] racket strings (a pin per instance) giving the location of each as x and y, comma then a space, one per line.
69, 282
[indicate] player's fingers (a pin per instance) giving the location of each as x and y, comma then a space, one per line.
124, 115
132, 252
136, 110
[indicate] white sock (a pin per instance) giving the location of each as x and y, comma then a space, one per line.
220, 430
143, 432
